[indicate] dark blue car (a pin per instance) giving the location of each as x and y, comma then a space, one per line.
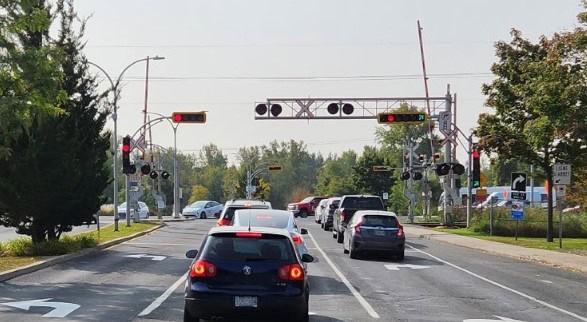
247, 273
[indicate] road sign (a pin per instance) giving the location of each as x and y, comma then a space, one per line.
385, 195
561, 191
517, 210
444, 120
483, 179
381, 168
517, 195
561, 174
519, 181
134, 177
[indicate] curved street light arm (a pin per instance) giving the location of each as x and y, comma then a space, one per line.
105, 73
149, 124
168, 118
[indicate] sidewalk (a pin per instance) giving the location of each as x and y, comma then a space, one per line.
572, 262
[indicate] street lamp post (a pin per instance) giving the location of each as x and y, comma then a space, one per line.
114, 89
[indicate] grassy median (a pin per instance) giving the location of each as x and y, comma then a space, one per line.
570, 245
21, 251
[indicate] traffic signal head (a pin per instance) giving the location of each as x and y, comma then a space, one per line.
125, 154
476, 169
188, 117
153, 175
145, 169
402, 118
165, 175
442, 169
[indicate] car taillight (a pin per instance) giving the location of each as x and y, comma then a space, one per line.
293, 272
400, 233
223, 222
358, 227
341, 215
249, 235
202, 268
297, 239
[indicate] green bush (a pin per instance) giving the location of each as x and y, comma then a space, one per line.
24, 246
533, 225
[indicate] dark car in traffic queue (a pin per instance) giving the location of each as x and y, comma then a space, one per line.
374, 231
247, 273
349, 204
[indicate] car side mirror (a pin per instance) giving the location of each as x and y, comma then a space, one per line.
343, 224
191, 253
303, 231
307, 258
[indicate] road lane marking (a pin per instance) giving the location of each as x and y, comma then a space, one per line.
396, 267
531, 298
163, 296
157, 244
346, 282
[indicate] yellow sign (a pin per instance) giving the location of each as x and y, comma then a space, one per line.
481, 192
483, 179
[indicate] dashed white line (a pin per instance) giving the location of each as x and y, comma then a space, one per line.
531, 298
163, 296
346, 282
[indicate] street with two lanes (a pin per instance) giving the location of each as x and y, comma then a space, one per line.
143, 280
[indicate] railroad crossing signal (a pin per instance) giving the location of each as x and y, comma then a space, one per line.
402, 118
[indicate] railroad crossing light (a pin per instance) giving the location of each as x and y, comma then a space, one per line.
165, 175
442, 169
153, 175
332, 108
262, 109
402, 118
417, 176
458, 169
274, 168
405, 176
436, 156
422, 158
348, 109
145, 169
132, 169
476, 169
188, 117
125, 154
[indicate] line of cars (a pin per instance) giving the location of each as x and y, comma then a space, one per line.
251, 266
361, 224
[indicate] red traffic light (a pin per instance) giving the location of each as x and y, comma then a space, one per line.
125, 148
475, 154
189, 117
402, 117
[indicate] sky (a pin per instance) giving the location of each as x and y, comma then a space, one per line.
223, 56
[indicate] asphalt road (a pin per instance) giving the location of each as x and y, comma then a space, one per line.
435, 282
10, 234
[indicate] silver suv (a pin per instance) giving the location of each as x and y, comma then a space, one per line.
231, 206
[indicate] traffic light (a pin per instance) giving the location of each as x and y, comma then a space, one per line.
188, 117
402, 118
145, 169
125, 154
165, 175
476, 169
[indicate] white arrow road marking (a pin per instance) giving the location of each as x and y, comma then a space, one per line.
61, 310
153, 257
517, 180
488, 320
396, 267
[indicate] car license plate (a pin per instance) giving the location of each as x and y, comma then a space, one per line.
379, 232
245, 301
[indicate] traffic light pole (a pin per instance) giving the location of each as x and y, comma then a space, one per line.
411, 182
470, 181
448, 159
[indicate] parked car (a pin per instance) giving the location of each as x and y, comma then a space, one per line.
143, 211
231, 206
305, 207
240, 273
349, 204
319, 210
274, 219
203, 209
371, 230
328, 214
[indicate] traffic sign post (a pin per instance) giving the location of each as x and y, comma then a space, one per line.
561, 174
517, 213
519, 180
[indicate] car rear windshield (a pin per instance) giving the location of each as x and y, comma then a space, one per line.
230, 210
231, 247
261, 220
380, 221
362, 203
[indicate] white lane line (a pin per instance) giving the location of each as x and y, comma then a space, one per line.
531, 298
156, 244
163, 296
346, 282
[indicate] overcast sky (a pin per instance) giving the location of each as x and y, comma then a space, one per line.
221, 57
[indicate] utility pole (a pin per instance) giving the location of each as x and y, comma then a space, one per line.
448, 184
411, 181
470, 181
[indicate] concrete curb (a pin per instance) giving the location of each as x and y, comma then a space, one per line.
4, 276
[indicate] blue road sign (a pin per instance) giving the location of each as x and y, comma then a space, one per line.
517, 210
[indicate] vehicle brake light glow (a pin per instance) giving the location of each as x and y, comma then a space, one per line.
202, 268
223, 222
263, 217
342, 215
249, 235
297, 239
358, 228
293, 272
400, 233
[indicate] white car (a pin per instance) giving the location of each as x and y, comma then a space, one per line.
143, 211
203, 209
